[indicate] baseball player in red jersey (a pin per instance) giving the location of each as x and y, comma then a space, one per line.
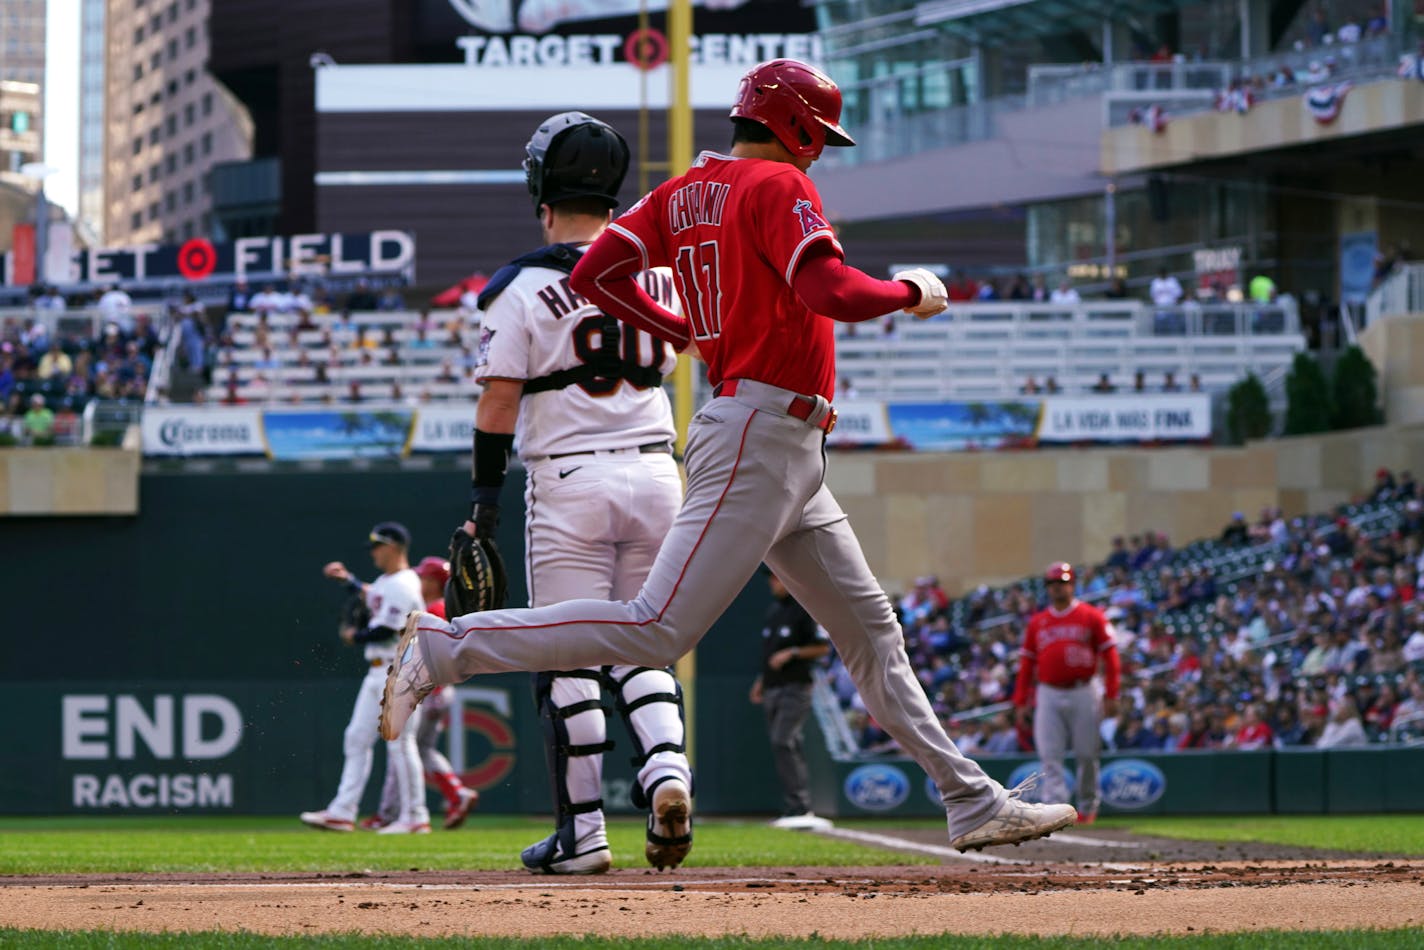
1063, 644
761, 277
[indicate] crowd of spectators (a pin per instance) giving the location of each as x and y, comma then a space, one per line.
51, 366
1279, 632
1321, 49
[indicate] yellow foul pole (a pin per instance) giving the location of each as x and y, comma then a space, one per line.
679, 32
679, 157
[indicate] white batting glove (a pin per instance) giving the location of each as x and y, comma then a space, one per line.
933, 298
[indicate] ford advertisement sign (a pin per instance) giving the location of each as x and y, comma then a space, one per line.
1131, 783
877, 787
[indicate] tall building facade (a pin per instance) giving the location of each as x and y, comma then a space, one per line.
22, 40
167, 123
91, 121
22, 48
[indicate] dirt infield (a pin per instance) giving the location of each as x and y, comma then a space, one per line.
1081, 883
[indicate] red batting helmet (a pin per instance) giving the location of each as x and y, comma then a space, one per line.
1060, 571
799, 104
436, 567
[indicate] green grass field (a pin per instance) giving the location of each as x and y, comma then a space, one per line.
218, 844
1394, 834
202, 844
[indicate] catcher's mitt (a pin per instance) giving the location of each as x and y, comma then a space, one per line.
478, 580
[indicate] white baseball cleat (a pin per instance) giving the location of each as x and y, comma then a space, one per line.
405, 828
326, 821
1017, 820
669, 824
408, 682
561, 853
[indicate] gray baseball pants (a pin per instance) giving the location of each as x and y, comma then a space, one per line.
755, 492
786, 710
1061, 716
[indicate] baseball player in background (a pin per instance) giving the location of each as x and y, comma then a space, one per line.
434, 718
762, 277
391, 598
584, 397
1062, 647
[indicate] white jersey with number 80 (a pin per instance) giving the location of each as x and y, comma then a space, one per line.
538, 326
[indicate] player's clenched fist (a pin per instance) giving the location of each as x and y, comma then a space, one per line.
933, 298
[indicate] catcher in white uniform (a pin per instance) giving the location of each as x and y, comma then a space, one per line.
583, 396
390, 598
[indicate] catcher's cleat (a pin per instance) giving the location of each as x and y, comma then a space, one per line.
560, 854
1088, 817
326, 821
408, 682
669, 824
372, 823
1017, 821
456, 814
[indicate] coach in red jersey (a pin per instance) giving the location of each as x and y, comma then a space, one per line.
1063, 645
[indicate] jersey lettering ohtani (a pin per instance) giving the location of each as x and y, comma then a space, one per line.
538, 325
718, 226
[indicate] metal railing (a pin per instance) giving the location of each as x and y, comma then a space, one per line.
1400, 293
1275, 76
1407, 731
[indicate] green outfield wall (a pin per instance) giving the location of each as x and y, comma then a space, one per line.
187, 659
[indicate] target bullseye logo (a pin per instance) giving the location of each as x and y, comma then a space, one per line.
197, 259
646, 49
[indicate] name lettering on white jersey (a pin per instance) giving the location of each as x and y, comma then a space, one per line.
560, 298
538, 330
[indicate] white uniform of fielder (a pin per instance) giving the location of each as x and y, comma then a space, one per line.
390, 597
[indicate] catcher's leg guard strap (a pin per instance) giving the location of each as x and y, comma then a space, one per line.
650, 702
575, 736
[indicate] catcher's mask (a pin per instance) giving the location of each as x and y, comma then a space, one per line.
574, 155
799, 104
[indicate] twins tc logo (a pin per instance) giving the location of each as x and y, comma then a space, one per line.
809, 217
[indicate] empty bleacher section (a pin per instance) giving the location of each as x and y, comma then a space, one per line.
974, 351
991, 350
362, 357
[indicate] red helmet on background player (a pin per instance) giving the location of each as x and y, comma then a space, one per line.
799, 104
436, 567
1060, 571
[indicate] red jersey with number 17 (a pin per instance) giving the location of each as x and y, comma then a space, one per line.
734, 230
1065, 646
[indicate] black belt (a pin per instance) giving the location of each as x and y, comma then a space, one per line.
650, 448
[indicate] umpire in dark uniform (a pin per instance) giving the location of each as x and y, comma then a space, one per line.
791, 642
